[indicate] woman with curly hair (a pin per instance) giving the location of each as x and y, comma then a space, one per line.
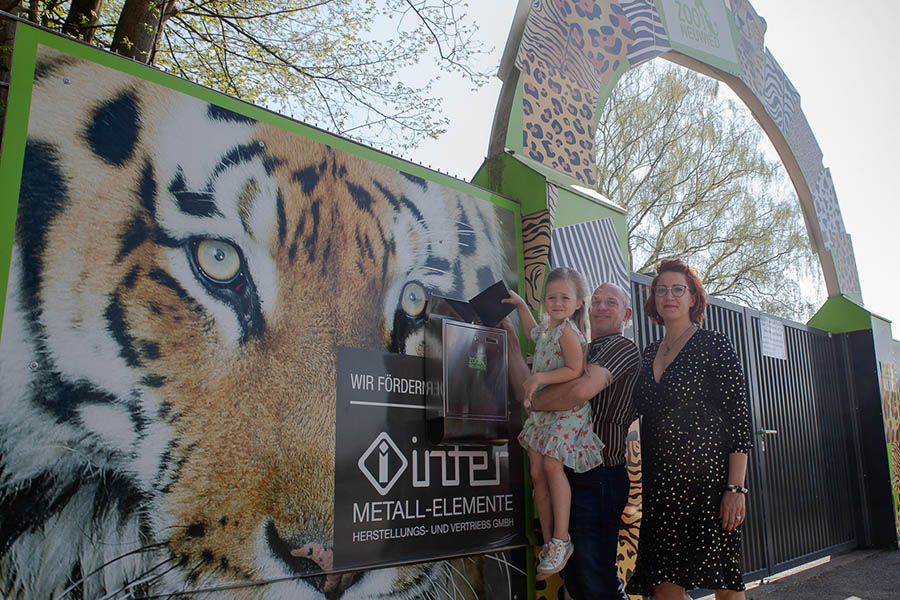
695, 437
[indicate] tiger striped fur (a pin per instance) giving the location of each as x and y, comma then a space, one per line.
180, 280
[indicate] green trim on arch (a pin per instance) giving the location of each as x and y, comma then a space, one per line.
840, 314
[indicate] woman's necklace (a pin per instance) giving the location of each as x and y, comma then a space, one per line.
668, 348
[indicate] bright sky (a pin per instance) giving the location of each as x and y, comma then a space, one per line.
843, 60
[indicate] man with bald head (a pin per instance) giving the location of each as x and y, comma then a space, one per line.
599, 495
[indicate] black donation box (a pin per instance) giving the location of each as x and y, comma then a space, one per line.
468, 363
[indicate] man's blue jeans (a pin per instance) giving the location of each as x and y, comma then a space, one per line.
598, 499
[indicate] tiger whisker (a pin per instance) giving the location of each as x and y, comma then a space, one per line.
500, 557
431, 236
106, 564
436, 586
504, 562
154, 578
464, 578
451, 583
139, 581
461, 226
438, 571
187, 578
430, 594
447, 234
435, 270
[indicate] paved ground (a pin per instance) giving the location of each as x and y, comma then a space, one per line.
857, 575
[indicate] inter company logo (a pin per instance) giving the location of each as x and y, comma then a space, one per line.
383, 481
383, 463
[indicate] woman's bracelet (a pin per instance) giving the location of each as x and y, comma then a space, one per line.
731, 487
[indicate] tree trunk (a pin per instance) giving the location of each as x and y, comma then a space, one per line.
138, 28
7, 38
81, 22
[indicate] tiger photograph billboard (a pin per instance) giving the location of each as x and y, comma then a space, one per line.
183, 272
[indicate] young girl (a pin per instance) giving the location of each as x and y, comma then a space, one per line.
558, 438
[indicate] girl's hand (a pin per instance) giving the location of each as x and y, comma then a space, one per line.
531, 385
526, 319
513, 298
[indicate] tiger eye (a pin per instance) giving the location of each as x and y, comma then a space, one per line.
218, 260
412, 299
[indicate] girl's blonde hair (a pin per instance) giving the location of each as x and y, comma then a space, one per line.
573, 278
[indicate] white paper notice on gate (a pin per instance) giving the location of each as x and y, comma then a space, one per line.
771, 338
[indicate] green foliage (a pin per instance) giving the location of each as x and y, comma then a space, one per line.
689, 166
340, 64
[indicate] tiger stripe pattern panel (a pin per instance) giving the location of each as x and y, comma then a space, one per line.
536, 254
591, 248
629, 533
181, 278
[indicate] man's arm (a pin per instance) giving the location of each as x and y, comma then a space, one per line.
518, 369
568, 395
561, 396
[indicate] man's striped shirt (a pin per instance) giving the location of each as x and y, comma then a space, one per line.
612, 410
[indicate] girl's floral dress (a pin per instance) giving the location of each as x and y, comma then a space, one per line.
566, 435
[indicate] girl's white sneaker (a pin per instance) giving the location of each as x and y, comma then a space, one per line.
555, 557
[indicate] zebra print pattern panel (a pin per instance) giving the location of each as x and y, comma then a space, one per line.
827, 210
552, 197
781, 98
592, 249
535, 254
649, 35
750, 47
585, 42
845, 263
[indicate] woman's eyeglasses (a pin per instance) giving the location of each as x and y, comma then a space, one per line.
677, 290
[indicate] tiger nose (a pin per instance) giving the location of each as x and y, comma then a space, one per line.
317, 553
310, 560
332, 585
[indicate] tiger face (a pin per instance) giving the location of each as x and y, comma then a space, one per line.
181, 278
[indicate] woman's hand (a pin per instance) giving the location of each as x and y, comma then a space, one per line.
733, 510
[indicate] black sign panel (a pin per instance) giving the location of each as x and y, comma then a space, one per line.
399, 498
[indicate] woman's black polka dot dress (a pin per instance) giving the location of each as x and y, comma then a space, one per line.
692, 420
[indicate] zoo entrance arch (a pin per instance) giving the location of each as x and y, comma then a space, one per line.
562, 59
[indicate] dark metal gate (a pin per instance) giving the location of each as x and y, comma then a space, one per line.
803, 470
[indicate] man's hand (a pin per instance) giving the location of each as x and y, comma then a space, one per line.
518, 370
531, 385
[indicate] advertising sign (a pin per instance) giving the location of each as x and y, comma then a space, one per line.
398, 495
176, 407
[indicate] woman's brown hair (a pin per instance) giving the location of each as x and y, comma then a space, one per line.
698, 311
